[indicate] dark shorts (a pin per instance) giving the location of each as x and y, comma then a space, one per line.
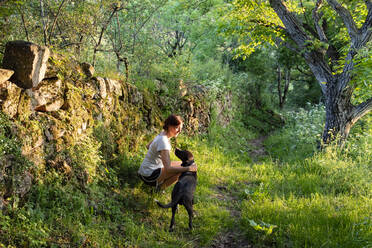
151, 180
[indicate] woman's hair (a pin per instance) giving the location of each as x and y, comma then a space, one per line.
172, 120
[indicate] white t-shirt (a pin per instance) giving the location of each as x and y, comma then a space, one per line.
152, 159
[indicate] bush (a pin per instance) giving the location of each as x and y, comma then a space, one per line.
298, 139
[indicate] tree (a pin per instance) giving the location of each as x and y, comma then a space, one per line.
329, 35
129, 34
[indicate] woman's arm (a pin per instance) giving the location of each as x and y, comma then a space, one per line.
165, 158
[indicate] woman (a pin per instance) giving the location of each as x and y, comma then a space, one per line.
157, 169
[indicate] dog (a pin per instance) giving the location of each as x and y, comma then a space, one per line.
183, 191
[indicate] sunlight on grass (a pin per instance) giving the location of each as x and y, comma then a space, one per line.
314, 199
320, 199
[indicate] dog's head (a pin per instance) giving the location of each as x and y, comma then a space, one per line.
186, 157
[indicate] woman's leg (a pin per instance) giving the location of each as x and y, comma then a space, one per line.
166, 178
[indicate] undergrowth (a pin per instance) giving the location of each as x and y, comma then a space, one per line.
295, 197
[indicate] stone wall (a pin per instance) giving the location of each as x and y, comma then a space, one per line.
56, 104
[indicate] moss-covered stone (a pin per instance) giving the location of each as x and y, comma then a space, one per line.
24, 110
100, 118
9, 98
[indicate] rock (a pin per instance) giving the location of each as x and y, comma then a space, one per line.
28, 60
9, 98
5, 162
113, 86
58, 131
48, 135
182, 88
25, 110
101, 87
88, 69
53, 106
5, 75
134, 95
54, 132
2, 203
52, 68
23, 183
47, 96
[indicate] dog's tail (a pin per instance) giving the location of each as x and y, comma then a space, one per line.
173, 203
169, 205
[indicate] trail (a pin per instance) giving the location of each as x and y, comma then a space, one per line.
235, 237
258, 148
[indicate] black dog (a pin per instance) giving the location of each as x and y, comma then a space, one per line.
183, 191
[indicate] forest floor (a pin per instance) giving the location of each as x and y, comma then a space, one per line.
236, 237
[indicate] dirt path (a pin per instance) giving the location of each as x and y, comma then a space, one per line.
258, 149
235, 237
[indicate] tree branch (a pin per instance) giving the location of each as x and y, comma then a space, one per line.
366, 30
316, 17
309, 74
43, 21
268, 25
346, 18
314, 59
55, 20
67, 44
360, 110
23, 22
280, 41
292, 24
103, 29
362, 36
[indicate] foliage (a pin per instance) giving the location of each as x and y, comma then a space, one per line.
8, 144
85, 156
297, 196
300, 134
319, 198
12, 162
328, 42
254, 103
362, 78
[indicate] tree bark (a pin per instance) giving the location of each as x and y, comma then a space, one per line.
338, 110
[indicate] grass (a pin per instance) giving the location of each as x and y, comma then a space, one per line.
311, 199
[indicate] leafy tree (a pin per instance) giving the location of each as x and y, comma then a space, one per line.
332, 36
130, 35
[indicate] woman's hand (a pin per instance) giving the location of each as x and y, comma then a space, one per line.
193, 167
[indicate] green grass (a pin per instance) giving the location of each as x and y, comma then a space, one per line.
314, 199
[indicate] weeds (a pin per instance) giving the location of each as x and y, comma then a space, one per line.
297, 197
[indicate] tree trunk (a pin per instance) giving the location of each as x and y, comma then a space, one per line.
282, 95
341, 115
338, 114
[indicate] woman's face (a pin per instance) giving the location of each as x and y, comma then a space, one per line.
175, 130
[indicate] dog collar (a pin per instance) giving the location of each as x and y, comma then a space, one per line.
185, 164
